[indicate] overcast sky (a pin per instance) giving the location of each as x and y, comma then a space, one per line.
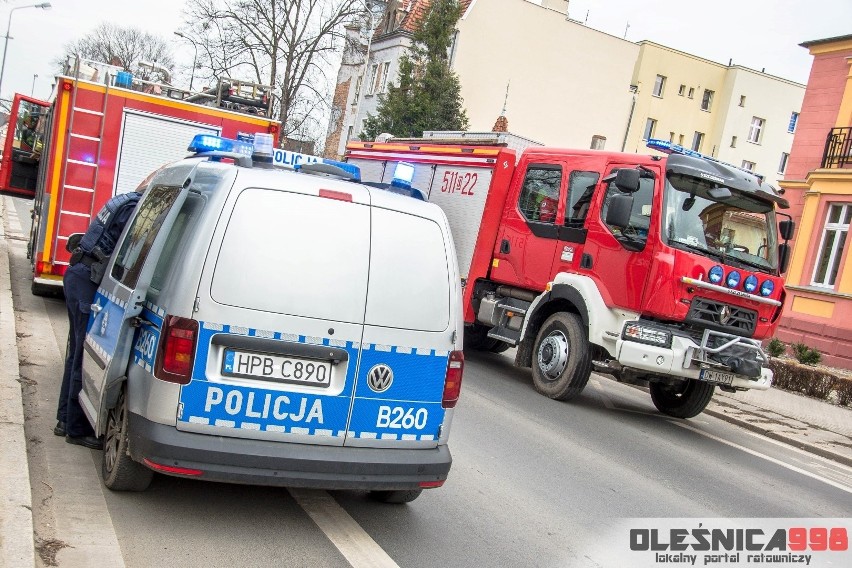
755, 33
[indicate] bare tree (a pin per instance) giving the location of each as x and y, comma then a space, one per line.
286, 44
126, 48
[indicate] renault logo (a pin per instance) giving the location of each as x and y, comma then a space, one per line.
724, 315
379, 378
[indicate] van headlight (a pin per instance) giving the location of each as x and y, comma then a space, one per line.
640, 333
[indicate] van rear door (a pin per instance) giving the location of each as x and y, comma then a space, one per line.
280, 309
413, 307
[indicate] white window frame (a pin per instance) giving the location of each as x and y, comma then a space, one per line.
748, 165
650, 127
681, 90
834, 258
697, 137
374, 69
733, 141
598, 142
742, 100
794, 122
755, 131
707, 100
782, 165
659, 86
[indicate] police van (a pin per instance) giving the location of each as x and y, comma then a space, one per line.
273, 327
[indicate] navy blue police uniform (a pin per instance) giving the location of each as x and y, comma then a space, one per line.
81, 281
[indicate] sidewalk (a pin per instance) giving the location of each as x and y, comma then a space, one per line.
16, 519
806, 423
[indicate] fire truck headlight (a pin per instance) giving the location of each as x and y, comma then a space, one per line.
733, 279
716, 274
635, 331
750, 284
767, 288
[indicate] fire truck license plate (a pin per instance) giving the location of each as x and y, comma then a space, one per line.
717, 377
276, 368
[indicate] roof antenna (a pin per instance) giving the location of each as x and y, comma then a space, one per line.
506, 100
625, 30
586, 21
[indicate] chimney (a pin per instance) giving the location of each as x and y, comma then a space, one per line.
502, 124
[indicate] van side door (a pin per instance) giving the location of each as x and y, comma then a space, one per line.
120, 297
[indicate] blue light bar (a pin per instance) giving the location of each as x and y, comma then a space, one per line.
203, 143
671, 148
403, 174
346, 166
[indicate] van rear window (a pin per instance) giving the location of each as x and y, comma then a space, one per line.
409, 273
295, 254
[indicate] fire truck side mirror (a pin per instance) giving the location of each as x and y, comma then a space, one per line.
783, 257
786, 229
627, 180
618, 210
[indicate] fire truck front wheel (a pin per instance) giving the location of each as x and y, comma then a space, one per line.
562, 359
686, 399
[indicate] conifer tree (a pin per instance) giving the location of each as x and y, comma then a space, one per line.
427, 95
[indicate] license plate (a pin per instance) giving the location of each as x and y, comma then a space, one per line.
718, 377
276, 368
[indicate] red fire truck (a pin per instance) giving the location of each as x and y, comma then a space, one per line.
662, 271
102, 134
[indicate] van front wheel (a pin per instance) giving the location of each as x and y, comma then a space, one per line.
562, 359
118, 470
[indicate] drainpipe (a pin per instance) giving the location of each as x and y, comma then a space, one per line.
633, 89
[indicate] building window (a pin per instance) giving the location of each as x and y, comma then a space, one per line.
756, 129
794, 118
357, 89
733, 141
832, 245
598, 142
681, 90
349, 133
697, 140
374, 71
707, 100
748, 165
680, 139
742, 100
659, 85
782, 165
379, 79
650, 126
691, 92
671, 137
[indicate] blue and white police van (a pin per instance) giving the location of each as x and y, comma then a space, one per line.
272, 327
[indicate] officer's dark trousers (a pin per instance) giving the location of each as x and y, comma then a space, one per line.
79, 294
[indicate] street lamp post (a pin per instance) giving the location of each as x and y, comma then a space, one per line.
43, 6
194, 58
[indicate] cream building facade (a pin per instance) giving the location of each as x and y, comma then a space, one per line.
564, 84
735, 114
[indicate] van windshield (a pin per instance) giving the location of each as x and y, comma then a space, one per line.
736, 230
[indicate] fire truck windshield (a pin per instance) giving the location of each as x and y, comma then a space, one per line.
738, 230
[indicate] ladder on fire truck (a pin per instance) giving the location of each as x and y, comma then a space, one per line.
82, 151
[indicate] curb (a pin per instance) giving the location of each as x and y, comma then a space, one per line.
789, 440
16, 517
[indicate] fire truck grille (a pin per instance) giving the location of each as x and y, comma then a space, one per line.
722, 317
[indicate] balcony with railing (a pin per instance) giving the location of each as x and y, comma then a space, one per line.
838, 148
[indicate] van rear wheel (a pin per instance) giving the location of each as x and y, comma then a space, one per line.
398, 496
682, 400
118, 470
562, 359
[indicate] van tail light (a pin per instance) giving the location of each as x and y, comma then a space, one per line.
453, 380
176, 353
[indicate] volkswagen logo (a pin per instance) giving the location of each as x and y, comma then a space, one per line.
724, 315
379, 378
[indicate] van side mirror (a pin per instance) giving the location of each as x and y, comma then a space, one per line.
786, 229
627, 180
618, 210
783, 257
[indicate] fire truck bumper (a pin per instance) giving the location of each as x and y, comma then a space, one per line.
682, 357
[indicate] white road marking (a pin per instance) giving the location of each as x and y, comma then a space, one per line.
359, 549
814, 459
765, 457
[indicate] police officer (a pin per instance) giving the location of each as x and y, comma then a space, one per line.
88, 261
